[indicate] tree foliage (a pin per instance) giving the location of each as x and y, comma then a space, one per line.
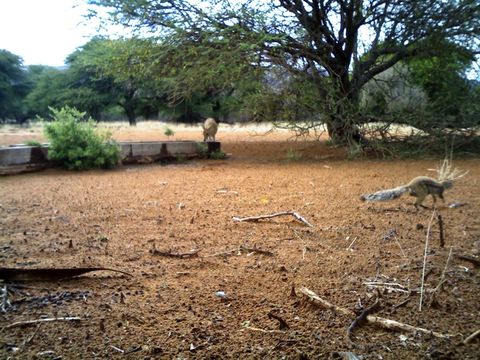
13, 86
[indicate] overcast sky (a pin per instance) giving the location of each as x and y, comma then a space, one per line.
43, 31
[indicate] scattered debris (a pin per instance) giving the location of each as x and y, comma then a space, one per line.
48, 274
456, 205
392, 233
442, 235
37, 321
350, 247
345, 355
245, 248
283, 213
473, 336
190, 254
282, 323
473, 259
361, 319
382, 322
425, 260
222, 295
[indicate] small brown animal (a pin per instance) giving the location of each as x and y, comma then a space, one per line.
419, 187
210, 128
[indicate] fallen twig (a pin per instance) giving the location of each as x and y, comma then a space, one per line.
351, 244
255, 250
425, 261
361, 319
382, 322
283, 213
440, 225
474, 260
13, 274
263, 330
442, 277
282, 323
175, 255
37, 321
471, 337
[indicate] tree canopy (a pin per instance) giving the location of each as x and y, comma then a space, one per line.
337, 46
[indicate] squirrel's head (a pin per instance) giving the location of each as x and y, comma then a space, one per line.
447, 184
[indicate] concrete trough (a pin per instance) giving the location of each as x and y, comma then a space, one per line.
22, 154
14, 158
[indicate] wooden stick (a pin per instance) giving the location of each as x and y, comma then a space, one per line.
471, 337
255, 250
425, 261
260, 217
475, 261
176, 255
376, 320
37, 321
263, 330
440, 225
442, 277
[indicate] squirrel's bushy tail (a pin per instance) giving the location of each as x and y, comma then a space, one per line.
385, 195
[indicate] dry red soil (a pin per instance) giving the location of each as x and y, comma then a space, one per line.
232, 298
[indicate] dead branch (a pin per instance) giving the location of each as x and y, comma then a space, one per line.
191, 254
282, 323
256, 250
251, 328
471, 337
12, 274
474, 260
442, 277
376, 320
361, 319
425, 260
37, 321
440, 225
283, 213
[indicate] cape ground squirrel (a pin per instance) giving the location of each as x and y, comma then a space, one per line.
421, 186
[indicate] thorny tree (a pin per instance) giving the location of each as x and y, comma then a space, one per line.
338, 46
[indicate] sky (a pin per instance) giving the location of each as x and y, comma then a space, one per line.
43, 31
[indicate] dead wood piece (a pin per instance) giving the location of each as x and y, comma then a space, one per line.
361, 319
255, 250
440, 225
38, 321
282, 323
251, 328
472, 337
283, 213
474, 260
48, 274
191, 254
376, 320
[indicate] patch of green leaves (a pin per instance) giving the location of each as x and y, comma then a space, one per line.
75, 142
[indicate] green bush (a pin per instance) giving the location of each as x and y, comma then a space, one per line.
217, 155
169, 132
75, 142
32, 143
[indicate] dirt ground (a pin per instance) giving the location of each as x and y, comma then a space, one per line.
240, 295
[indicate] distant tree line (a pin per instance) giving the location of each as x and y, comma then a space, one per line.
340, 65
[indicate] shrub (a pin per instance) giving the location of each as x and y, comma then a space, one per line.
202, 150
169, 132
75, 143
217, 155
32, 143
